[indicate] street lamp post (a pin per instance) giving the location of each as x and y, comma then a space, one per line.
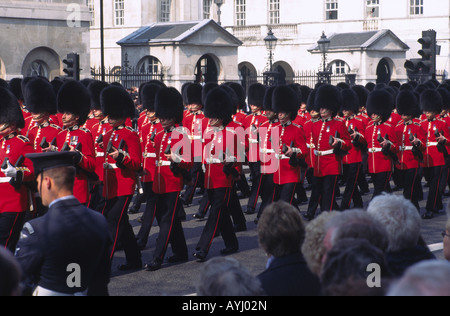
219, 13
270, 77
324, 45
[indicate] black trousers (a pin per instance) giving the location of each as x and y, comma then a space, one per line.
267, 193
218, 220
351, 192
437, 185
255, 174
324, 194
235, 208
116, 215
410, 188
149, 213
197, 178
285, 192
168, 206
11, 225
381, 182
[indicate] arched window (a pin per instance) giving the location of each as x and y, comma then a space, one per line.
339, 67
37, 68
149, 65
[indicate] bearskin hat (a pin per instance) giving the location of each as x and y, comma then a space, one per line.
148, 95
380, 102
15, 85
40, 97
256, 94
192, 94
117, 103
206, 88
431, 101
310, 104
285, 100
407, 103
169, 104
445, 94
362, 93
350, 101
95, 88
267, 105
234, 97
328, 97
73, 97
240, 93
305, 93
219, 104
10, 111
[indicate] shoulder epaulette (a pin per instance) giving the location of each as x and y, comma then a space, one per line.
84, 129
296, 125
130, 129
388, 124
55, 126
23, 138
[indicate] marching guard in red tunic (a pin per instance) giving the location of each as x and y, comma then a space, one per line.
122, 162
437, 146
411, 142
74, 102
173, 156
15, 170
331, 140
380, 137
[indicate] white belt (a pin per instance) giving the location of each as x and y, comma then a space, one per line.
267, 151
5, 179
149, 155
432, 143
100, 155
160, 163
195, 137
323, 153
375, 150
405, 148
210, 161
40, 291
281, 156
253, 141
309, 146
110, 166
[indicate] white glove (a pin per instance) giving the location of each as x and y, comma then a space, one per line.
10, 171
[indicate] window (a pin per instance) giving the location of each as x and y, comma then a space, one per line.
274, 12
372, 8
331, 9
416, 7
119, 12
164, 11
207, 9
240, 13
339, 67
90, 5
149, 65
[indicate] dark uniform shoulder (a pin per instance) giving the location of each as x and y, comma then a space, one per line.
84, 129
23, 138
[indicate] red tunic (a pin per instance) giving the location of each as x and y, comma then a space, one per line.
101, 128
355, 154
38, 132
120, 178
378, 161
432, 156
74, 136
326, 163
148, 131
407, 160
14, 200
251, 124
269, 163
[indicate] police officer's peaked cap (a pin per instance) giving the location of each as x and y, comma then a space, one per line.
51, 160
350, 101
256, 94
148, 95
73, 97
116, 102
169, 104
95, 88
10, 111
39, 96
285, 100
267, 104
380, 102
192, 94
328, 97
219, 104
407, 103
431, 100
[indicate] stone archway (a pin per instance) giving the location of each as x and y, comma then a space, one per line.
384, 71
207, 69
285, 72
42, 61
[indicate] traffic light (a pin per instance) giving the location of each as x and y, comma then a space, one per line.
428, 52
424, 68
72, 68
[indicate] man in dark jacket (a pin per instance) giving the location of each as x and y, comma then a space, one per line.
66, 251
281, 233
